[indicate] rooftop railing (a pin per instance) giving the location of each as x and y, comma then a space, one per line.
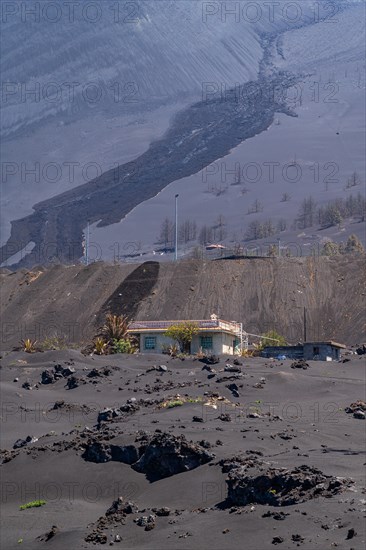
211, 324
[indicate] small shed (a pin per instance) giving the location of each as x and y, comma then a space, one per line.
323, 351
310, 351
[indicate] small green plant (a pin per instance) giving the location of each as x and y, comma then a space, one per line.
246, 352
29, 346
170, 349
20, 541
124, 345
272, 491
33, 504
200, 354
56, 343
100, 346
172, 404
193, 400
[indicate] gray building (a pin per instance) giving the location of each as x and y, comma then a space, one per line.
323, 351
316, 351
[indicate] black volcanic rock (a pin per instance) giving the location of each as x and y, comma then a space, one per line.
47, 377
23, 442
210, 359
99, 452
128, 454
108, 414
120, 507
280, 487
167, 455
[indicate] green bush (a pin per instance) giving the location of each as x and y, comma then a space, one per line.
183, 334
177, 403
272, 338
33, 504
124, 345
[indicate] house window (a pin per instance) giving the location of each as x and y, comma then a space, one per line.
150, 342
206, 342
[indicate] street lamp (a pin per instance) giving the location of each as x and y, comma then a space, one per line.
176, 228
87, 239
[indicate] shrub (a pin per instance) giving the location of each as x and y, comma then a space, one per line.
100, 346
354, 245
200, 353
124, 345
54, 343
33, 504
115, 327
272, 338
172, 404
29, 346
170, 349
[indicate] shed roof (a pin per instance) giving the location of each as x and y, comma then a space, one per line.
326, 343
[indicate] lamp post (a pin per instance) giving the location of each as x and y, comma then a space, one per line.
176, 228
87, 243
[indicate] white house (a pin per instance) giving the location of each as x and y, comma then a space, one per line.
214, 336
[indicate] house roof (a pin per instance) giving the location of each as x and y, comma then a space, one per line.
209, 325
326, 343
215, 247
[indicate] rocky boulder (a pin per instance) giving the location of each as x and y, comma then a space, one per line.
167, 455
280, 487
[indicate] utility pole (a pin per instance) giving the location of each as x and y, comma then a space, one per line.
87, 243
279, 248
305, 335
176, 228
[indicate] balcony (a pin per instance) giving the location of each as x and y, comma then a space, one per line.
203, 325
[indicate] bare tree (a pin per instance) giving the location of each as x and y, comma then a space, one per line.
281, 225
254, 231
187, 231
166, 236
285, 197
256, 207
307, 213
205, 235
219, 228
353, 181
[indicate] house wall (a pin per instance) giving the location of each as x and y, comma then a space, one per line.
221, 343
325, 350
161, 341
292, 352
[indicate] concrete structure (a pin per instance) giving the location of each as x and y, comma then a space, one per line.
214, 336
318, 351
323, 351
291, 352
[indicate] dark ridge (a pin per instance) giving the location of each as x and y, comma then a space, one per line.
135, 288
